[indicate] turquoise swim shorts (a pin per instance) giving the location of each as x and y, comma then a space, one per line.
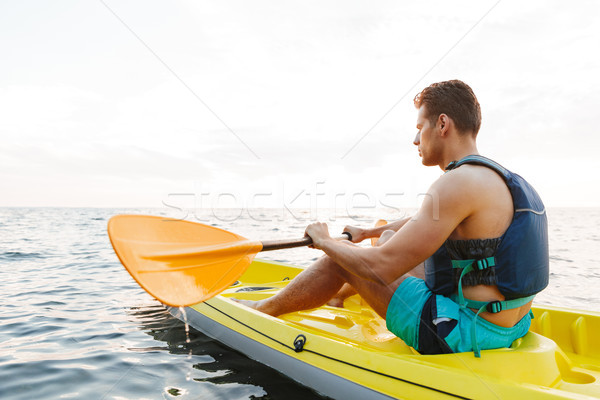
434, 324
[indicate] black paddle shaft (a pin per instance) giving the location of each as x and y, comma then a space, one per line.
269, 245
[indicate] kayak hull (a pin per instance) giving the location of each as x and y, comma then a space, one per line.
347, 353
307, 374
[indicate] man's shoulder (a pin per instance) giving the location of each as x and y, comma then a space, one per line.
469, 182
466, 175
470, 174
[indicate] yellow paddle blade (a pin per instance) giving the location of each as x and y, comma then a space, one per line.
379, 222
179, 262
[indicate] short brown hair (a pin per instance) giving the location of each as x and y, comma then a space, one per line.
455, 99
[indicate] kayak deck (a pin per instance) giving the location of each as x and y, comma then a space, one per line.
558, 358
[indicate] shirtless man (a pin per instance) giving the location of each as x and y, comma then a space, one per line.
476, 252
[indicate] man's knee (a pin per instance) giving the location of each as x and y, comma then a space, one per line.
328, 262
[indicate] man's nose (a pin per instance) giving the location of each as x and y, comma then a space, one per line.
417, 140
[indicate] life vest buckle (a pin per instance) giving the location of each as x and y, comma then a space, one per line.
494, 307
482, 264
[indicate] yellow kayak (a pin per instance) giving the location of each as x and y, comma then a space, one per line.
347, 353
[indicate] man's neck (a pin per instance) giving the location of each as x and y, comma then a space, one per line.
458, 153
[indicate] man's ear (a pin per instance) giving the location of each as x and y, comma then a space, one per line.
444, 124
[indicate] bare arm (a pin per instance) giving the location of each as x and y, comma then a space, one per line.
392, 226
443, 209
360, 234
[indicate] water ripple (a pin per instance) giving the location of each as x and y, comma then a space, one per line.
17, 255
75, 320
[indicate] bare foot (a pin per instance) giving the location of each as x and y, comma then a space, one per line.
336, 302
248, 303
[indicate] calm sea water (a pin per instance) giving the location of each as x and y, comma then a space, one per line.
73, 324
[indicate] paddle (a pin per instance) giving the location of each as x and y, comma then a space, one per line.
181, 262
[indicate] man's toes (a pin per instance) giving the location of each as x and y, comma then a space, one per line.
335, 302
247, 303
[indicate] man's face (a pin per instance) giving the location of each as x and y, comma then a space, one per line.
425, 139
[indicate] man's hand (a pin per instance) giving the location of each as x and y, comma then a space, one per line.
318, 232
358, 234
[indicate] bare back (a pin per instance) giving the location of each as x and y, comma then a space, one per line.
492, 204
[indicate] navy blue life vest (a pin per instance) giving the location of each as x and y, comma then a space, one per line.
521, 261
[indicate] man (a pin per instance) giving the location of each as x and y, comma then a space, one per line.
461, 274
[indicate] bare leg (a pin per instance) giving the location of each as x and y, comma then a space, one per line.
317, 284
311, 288
418, 271
346, 291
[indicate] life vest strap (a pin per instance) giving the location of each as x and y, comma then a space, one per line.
468, 266
480, 264
494, 306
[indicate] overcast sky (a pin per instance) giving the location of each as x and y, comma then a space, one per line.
142, 103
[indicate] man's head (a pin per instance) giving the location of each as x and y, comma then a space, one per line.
448, 121
456, 100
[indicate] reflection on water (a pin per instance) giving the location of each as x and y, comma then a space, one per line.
211, 362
